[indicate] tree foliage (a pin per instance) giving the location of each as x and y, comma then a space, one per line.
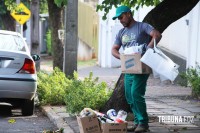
11, 4
107, 5
60, 3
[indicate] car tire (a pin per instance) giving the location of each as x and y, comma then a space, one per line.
28, 107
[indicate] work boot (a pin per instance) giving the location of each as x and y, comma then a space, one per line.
142, 128
132, 128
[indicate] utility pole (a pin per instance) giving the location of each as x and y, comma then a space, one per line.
35, 49
19, 27
71, 38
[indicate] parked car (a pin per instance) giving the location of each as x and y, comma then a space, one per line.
18, 78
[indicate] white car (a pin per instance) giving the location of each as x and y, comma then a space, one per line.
18, 78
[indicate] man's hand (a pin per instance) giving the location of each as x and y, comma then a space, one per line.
155, 34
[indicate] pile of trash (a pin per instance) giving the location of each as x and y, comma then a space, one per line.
112, 116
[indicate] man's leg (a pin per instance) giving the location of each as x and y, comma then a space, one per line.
138, 89
135, 87
128, 84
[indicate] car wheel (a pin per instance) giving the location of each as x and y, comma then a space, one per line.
28, 107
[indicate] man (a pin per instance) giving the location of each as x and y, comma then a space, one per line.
133, 34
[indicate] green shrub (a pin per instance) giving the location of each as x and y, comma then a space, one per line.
51, 87
48, 41
86, 93
56, 89
192, 78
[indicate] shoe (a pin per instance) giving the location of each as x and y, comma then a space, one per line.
132, 128
142, 128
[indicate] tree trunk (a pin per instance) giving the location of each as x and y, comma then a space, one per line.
56, 23
8, 22
160, 18
119, 96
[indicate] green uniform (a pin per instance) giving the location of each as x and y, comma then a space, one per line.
135, 84
135, 87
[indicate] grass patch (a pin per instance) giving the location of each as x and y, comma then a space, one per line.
46, 63
87, 63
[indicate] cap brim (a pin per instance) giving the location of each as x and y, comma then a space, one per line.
117, 15
114, 17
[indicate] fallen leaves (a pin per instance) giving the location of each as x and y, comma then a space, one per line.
12, 121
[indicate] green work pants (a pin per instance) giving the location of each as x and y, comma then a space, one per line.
135, 87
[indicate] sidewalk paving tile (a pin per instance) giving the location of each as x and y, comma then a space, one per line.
161, 106
187, 105
170, 101
190, 131
153, 110
194, 109
72, 122
175, 111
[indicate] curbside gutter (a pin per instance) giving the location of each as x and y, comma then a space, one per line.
56, 119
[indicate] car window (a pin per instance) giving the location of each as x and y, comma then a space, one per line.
11, 42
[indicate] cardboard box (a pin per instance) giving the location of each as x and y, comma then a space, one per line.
114, 127
89, 124
132, 64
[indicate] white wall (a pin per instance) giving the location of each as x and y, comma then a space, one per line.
175, 37
141, 13
107, 31
194, 34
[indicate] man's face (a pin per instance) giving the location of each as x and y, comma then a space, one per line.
125, 19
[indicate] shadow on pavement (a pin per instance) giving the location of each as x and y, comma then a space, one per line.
5, 110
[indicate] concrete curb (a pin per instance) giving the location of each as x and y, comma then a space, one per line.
56, 119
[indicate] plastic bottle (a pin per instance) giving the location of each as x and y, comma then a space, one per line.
112, 114
103, 118
121, 116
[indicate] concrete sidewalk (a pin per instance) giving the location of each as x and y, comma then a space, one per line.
163, 101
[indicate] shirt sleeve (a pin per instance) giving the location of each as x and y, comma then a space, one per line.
118, 40
147, 28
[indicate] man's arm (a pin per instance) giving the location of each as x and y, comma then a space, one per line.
115, 51
155, 34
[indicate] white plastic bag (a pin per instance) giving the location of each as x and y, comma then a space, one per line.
160, 63
134, 49
157, 75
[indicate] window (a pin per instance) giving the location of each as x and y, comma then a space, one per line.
11, 43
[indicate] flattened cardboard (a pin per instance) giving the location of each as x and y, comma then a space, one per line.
132, 64
114, 127
89, 124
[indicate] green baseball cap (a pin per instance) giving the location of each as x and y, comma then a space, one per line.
120, 10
